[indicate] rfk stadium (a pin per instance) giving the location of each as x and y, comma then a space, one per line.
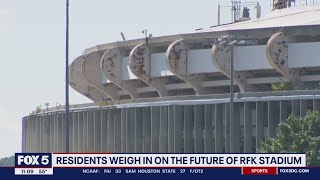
218, 90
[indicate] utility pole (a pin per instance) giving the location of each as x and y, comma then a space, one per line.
67, 78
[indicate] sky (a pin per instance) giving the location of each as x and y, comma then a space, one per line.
32, 45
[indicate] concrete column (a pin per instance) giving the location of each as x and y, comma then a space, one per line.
85, 131
78, 83
117, 131
272, 118
171, 129
218, 128
138, 131
81, 132
140, 66
235, 129
209, 120
226, 120
130, 139
316, 104
41, 134
71, 129
55, 132
295, 105
111, 65
63, 133
97, 130
277, 55
221, 58
248, 106
123, 130
92, 73
163, 129
177, 63
303, 107
285, 110
178, 129
146, 121
260, 123
188, 129
104, 130
199, 127
46, 139
110, 131
60, 131
75, 132
155, 129
90, 141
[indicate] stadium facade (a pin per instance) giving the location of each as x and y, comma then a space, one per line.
172, 93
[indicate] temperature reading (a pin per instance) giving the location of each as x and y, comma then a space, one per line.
43, 171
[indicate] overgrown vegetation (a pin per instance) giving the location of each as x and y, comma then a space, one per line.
280, 86
297, 135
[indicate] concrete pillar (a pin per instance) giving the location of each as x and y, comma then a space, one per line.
260, 123
163, 129
60, 131
130, 139
81, 131
171, 129
218, 128
209, 120
303, 107
63, 133
221, 58
111, 65
117, 131
97, 130
92, 73
46, 133
277, 55
146, 124
248, 106
85, 131
55, 127
226, 116
285, 110
235, 129
140, 66
188, 129
177, 63
104, 130
295, 105
71, 129
316, 104
272, 118
90, 141
138, 131
110, 131
199, 127
75, 132
155, 129
41, 134
178, 129
123, 130
78, 83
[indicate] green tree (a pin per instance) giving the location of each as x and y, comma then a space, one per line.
297, 135
7, 161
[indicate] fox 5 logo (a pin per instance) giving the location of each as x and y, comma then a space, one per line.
43, 160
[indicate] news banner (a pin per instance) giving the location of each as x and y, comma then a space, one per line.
100, 165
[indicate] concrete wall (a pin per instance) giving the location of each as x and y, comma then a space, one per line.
164, 129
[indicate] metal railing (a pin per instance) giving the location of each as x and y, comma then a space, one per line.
281, 4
